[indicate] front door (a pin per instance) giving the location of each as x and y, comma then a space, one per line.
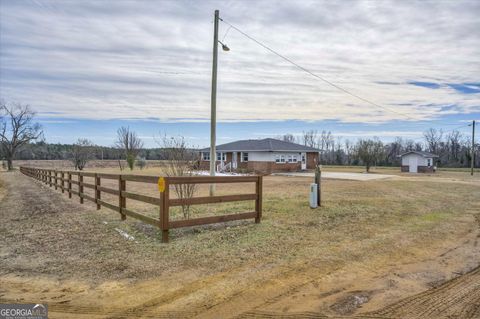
234, 160
413, 163
304, 161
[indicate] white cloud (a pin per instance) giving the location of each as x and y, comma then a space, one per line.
144, 59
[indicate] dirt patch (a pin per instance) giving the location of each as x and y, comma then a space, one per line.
457, 298
349, 304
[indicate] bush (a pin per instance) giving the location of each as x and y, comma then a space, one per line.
130, 161
141, 162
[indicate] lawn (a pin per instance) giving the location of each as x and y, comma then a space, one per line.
359, 224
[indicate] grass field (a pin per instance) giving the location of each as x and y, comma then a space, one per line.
366, 229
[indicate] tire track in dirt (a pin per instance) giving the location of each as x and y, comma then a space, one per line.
457, 298
150, 307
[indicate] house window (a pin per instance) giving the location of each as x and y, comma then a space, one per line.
429, 162
221, 156
290, 158
295, 159
277, 159
206, 156
282, 158
244, 157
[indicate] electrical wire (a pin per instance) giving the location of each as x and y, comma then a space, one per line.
315, 75
225, 35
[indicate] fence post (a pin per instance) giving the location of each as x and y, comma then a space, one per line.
69, 174
55, 178
164, 210
258, 201
50, 178
121, 200
80, 187
97, 191
63, 181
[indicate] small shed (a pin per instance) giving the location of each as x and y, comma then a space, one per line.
418, 162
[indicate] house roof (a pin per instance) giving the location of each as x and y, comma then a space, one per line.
421, 153
264, 145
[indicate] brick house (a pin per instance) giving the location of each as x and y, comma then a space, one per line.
418, 162
263, 156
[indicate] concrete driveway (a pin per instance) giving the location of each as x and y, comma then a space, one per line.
337, 175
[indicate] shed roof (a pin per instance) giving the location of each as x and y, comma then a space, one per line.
421, 153
263, 145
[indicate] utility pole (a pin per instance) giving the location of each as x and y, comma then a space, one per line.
473, 147
213, 115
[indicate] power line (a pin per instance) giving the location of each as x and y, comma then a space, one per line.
315, 75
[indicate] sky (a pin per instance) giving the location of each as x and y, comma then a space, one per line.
89, 67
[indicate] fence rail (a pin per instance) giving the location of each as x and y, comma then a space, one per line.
63, 180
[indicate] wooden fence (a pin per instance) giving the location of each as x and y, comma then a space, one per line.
63, 180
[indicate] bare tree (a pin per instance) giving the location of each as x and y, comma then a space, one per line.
338, 153
454, 145
288, 138
349, 149
409, 145
310, 138
17, 128
83, 151
180, 162
433, 139
130, 143
369, 152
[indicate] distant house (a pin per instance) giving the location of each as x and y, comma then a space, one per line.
264, 156
418, 162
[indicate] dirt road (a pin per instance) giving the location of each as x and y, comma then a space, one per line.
341, 175
59, 252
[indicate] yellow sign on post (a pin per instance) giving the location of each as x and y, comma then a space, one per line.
161, 184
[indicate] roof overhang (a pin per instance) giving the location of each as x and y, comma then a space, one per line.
418, 153
285, 151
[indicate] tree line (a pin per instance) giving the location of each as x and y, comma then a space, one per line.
453, 148
22, 138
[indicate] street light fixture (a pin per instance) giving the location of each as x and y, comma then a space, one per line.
224, 46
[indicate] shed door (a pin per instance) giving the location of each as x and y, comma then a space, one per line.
304, 161
413, 164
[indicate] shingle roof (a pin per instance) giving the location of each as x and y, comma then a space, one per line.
421, 153
265, 145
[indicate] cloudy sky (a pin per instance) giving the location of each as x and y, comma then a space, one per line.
88, 67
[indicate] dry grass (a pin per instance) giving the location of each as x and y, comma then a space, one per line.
371, 215
361, 226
